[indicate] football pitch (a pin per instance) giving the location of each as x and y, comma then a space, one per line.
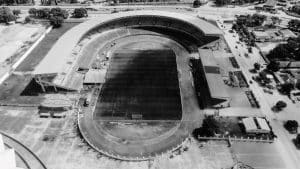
140, 84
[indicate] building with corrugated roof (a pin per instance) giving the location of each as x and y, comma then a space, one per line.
256, 125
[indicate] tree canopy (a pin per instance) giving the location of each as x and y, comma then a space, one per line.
294, 25
209, 127
79, 13
295, 9
56, 21
6, 15
273, 66
291, 126
289, 51
251, 20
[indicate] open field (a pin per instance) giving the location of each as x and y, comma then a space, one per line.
141, 82
43, 47
58, 145
258, 155
17, 36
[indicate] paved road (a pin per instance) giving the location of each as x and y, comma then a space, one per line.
287, 150
28, 157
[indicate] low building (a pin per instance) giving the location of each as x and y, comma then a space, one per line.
286, 34
256, 125
7, 157
261, 36
270, 5
289, 64
272, 35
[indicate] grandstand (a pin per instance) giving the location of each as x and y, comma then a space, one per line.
140, 62
215, 84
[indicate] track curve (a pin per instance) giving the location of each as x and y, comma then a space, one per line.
147, 149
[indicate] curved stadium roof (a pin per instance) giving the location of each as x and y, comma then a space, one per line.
57, 57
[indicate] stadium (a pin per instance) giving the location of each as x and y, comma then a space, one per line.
144, 102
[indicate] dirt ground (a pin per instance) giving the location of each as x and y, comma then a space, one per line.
15, 36
58, 145
40, 51
258, 155
138, 130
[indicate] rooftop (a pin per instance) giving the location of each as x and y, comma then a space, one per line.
212, 74
61, 53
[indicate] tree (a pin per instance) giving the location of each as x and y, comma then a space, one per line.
16, 12
222, 2
196, 3
297, 141
32, 11
273, 66
6, 15
27, 19
59, 12
295, 9
79, 13
294, 25
43, 13
291, 126
256, 66
281, 104
286, 88
209, 127
56, 21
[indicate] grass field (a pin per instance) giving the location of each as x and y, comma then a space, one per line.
41, 50
141, 82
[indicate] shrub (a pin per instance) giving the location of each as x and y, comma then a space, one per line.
79, 13
56, 21
281, 104
256, 66
27, 19
32, 11
297, 141
59, 12
196, 3
291, 126
16, 12
43, 13
273, 66
6, 15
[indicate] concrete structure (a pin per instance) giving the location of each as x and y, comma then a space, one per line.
273, 35
95, 76
286, 34
256, 125
59, 68
180, 33
7, 157
218, 94
261, 36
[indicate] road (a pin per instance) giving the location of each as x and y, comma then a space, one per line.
28, 157
286, 147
